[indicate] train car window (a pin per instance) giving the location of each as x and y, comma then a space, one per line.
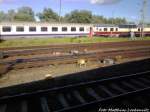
73, 29
133, 26
6, 29
81, 29
32, 29
64, 29
128, 26
111, 29
100, 29
54, 29
97, 29
20, 29
44, 29
116, 29
105, 29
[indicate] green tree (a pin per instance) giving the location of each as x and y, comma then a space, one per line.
48, 15
148, 24
98, 19
103, 20
77, 16
24, 14
119, 21
2, 16
11, 15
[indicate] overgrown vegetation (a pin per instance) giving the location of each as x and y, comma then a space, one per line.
49, 41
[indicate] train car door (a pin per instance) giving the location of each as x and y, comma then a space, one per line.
91, 33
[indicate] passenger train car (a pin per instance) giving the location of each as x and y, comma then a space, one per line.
14, 30
10, 30
120, 30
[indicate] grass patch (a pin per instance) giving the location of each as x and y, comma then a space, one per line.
47, 41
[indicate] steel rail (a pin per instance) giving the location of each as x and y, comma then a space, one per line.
58, 93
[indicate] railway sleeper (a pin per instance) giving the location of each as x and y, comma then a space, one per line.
130, 85
97, 97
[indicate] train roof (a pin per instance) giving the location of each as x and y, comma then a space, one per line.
43, 23
146, 25
127, 26
105, 25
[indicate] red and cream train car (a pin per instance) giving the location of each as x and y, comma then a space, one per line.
120, 30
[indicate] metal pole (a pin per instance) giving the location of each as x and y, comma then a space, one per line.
143, 15
112, 21
60, 6
112, 17
0, 32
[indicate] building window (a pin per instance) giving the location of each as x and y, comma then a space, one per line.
6, 29
73, 29
105, 29
81, 29
43, 29
32, 29
64, 29
111, 29
54, 29
19, 29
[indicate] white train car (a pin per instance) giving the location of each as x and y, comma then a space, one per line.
38, 29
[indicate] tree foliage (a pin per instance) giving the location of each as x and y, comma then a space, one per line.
77, 16
148, 24
103, 20
48, 15
98, 19
24, 14
2, 16
10, 16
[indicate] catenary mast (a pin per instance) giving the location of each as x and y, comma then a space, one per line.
60, 8
143, 15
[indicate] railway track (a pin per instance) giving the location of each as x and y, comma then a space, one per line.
34, 50
99, 56
67, 59
52, 54
137, 100
77, 97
